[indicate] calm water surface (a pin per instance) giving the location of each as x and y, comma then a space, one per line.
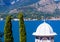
31, 27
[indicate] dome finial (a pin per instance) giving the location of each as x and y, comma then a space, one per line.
44, 20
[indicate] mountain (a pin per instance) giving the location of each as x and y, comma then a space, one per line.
40, 5
31, 8
14, 4
45, 5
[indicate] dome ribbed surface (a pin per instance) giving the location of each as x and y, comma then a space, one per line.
44, 29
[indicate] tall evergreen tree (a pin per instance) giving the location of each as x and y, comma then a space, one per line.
22, 28
8, 30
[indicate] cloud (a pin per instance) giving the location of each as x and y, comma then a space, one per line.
13, 2
56, 0
17, 0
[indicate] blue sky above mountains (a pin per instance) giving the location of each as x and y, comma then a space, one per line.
57, 0
9, 2
22, 2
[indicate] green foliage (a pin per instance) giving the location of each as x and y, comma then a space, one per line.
22, 28
8, 30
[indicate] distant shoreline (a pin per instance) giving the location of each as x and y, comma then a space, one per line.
31, 19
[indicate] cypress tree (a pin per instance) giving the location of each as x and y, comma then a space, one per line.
22, 28
8, 30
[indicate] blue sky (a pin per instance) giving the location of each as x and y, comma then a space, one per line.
57, 0
8, 2
22, 2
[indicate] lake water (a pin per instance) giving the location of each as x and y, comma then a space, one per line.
31, 27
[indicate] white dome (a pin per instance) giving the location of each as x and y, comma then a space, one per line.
44, 29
